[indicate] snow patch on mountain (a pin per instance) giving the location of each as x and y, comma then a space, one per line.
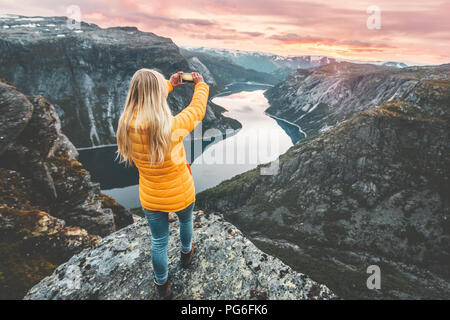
196, 64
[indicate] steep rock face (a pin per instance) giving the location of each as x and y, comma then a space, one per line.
372, 190
85, 72
32, 242
49, 208
44, 155
226, 266
320, 98
15, 113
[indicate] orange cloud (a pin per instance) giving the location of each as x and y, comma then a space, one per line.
349, 45
97, 16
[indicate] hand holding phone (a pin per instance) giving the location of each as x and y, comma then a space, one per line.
176, 80
181, 78
196, 77
186, 77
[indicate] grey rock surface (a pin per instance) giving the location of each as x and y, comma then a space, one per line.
226, 265
15, 112
43, 154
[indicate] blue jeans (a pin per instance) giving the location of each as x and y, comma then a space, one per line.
159, 227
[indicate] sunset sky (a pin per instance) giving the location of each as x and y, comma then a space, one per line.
410, 31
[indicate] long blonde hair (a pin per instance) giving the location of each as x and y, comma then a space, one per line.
147, 100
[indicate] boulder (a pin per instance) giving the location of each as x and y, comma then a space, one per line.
15, 112
226, 265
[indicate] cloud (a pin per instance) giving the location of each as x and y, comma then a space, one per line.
148, 18
228, 34
410, 29
356, 45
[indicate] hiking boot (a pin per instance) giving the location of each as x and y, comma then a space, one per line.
164, 290
186, 258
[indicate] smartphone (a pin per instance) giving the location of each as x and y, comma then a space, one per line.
186, 77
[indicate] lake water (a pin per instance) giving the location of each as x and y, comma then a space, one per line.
213, 157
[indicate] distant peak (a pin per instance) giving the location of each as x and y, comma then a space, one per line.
126, 28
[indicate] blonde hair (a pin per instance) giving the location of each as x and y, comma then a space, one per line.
147, 100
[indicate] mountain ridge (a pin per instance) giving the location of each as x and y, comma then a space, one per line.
276, 65
370, 190
320, 98
85, 72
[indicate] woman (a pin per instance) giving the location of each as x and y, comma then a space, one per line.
149, 136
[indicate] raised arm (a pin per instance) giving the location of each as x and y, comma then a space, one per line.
194, 113
169, 84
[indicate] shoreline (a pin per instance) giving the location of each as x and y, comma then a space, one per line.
288, 122
219, 94
223, 135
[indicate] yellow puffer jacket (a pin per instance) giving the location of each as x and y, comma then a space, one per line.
169, 186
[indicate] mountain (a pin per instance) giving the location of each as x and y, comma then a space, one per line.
85, 72
222, 71
51, 215
372, 190
49, 208
226, 266
278, 66
320, 98
395, 64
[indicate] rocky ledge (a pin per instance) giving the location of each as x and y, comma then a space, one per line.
226, 266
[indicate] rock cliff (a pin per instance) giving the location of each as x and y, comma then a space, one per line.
85, 72
49, 208
320, 98
372, 190
226, 266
